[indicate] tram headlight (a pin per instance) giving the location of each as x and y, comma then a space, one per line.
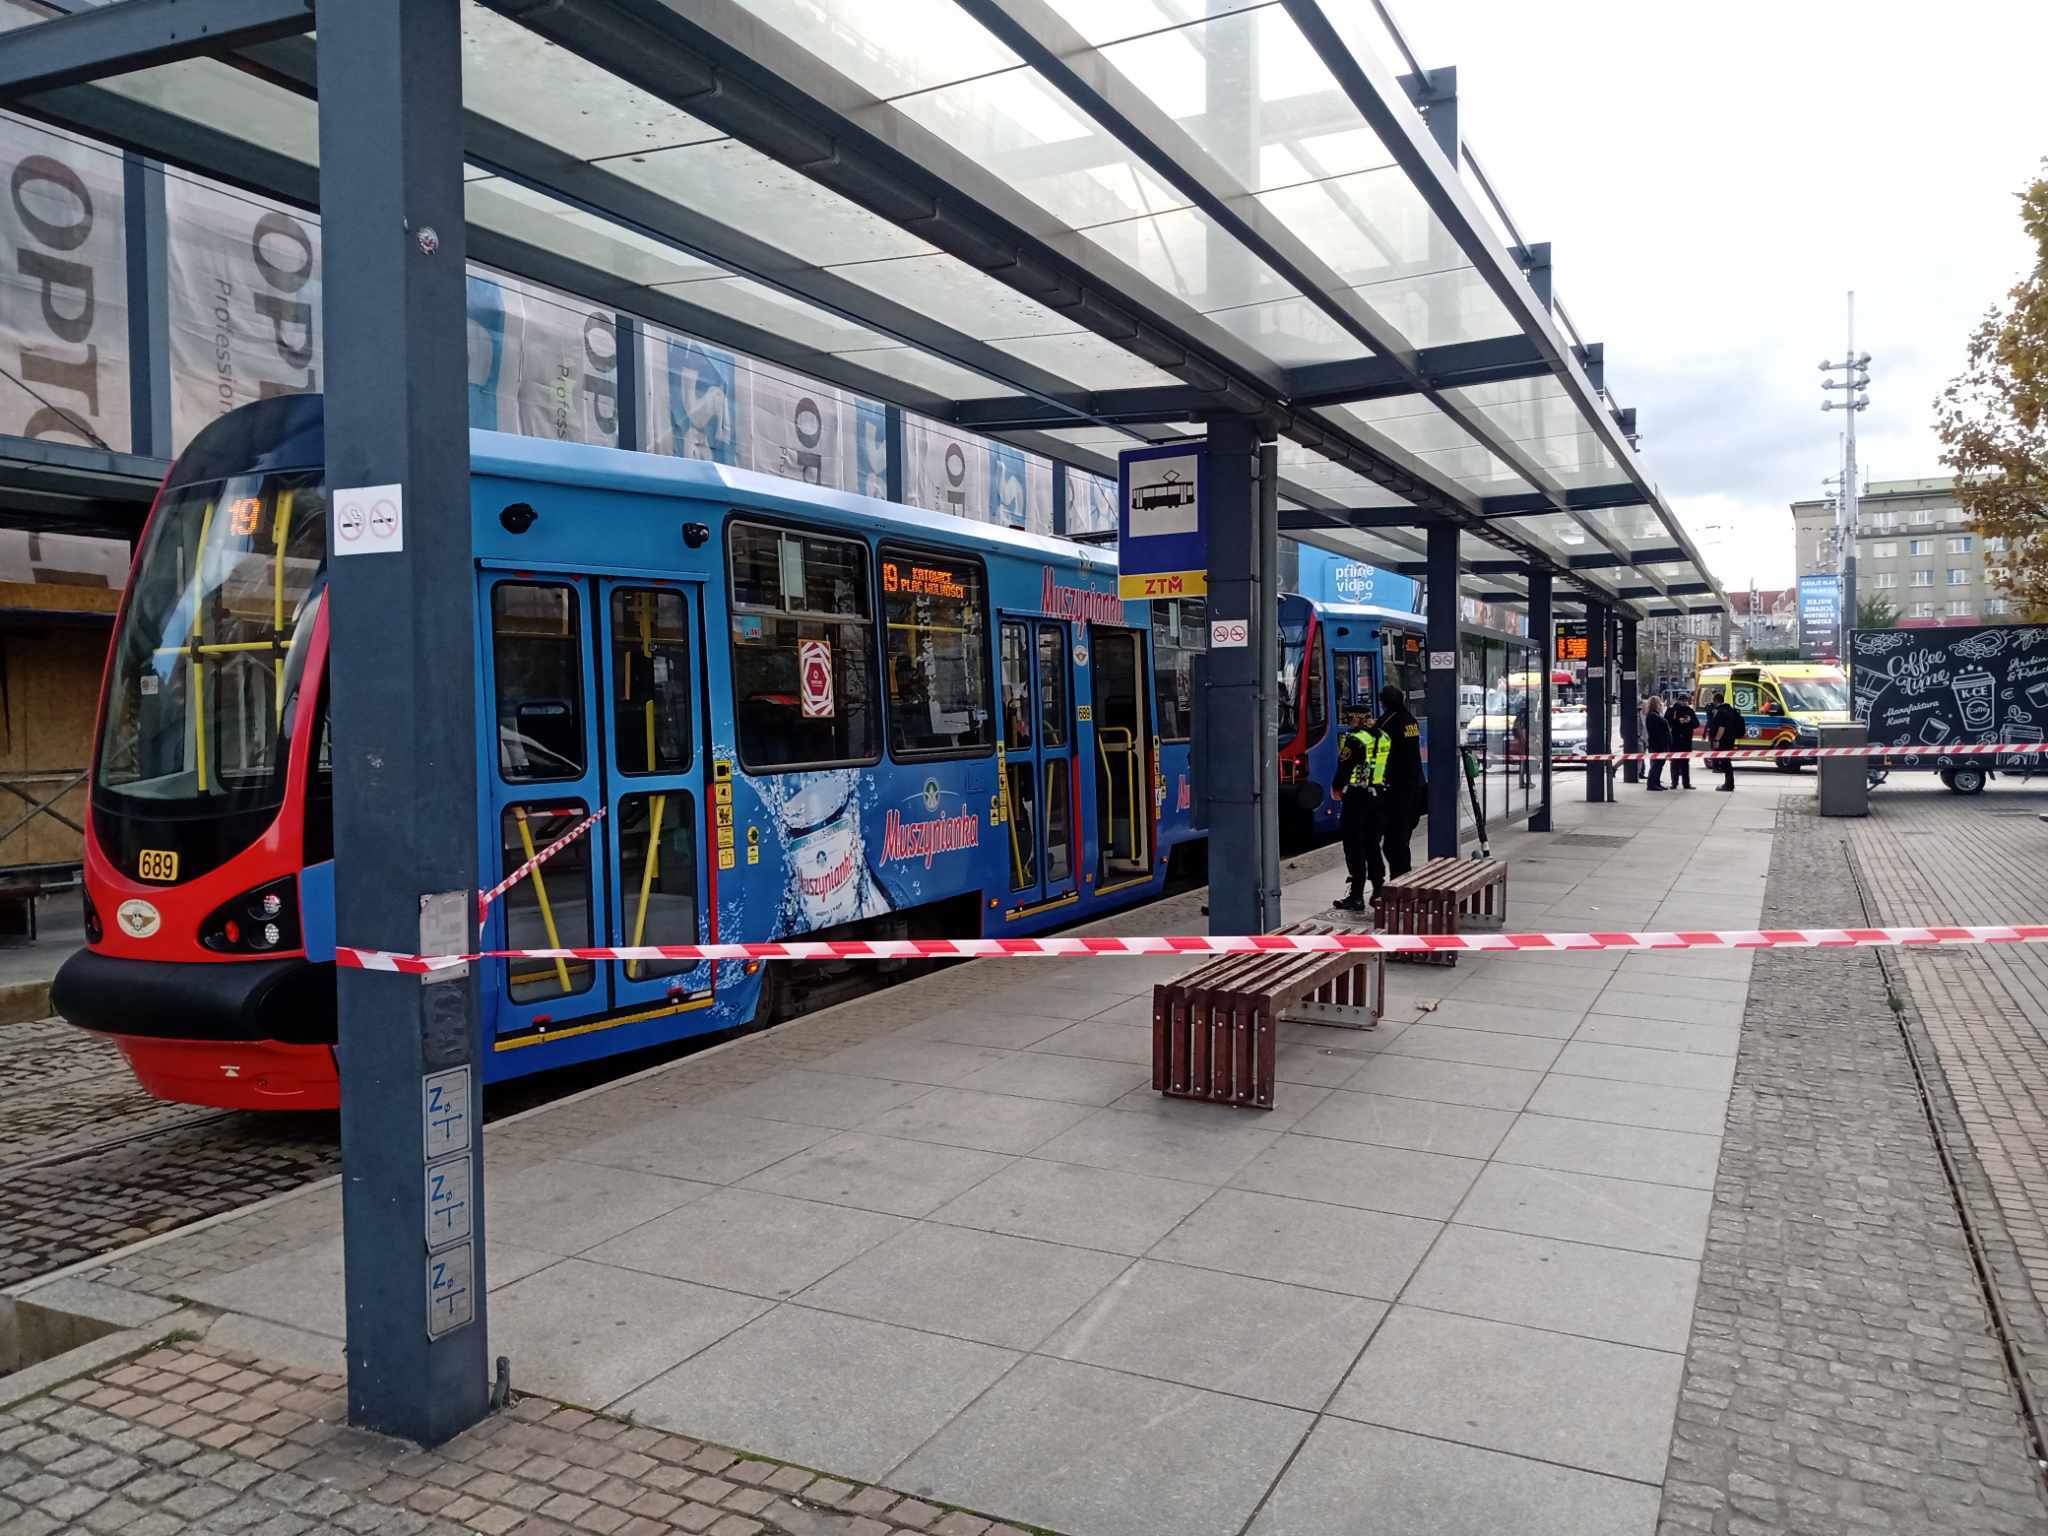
93, 932
256, 922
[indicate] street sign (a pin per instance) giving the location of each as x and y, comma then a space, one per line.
814, 676
1229, 634
1162, 524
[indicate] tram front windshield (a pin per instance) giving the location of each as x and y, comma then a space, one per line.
211, 649
1293, 648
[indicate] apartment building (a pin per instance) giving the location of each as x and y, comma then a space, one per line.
1914, 546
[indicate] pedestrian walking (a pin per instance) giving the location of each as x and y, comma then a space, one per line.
1361, 787
1406, 788
1682, 720
1657, 736
1725, 726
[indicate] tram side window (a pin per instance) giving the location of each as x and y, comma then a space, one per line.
935, 615
803, 649
1016, 688
650, 681
1354, 680
1318, 688
1179, 634
537, 644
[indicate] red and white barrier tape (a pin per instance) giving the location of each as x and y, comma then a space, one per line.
483, 902
1224, 944
1804, 754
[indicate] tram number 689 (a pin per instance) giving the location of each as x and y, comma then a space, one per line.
157, 864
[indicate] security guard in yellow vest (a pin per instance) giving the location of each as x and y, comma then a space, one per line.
1361, 784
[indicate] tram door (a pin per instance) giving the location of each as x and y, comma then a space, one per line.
593, 689
1038, 760
654, 789
1123, 775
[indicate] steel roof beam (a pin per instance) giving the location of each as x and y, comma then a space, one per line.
128, 35
776, 97
540, 167
1044, 40
1592, 498
177, 141
1658, 556
1387, 110
1454, 365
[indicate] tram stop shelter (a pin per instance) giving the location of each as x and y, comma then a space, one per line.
1073, 226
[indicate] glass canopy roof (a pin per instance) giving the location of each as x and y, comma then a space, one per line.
1137, 197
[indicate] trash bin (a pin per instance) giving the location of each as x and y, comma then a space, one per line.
1844, 781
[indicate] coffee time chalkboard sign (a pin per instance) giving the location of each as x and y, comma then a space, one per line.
1941, 688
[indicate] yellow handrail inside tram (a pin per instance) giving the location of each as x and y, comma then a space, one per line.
1017, 880
540, 890
644, 601
1051, 770
283, 526
198, 631
647, 880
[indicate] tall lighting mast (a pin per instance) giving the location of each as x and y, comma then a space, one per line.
1855, 375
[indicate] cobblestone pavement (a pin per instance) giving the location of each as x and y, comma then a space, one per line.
1842, 1375
191, 1439
1926, 856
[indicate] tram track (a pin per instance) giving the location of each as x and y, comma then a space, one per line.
11, 1171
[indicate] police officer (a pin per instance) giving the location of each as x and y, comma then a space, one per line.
1361, 773
1405, 796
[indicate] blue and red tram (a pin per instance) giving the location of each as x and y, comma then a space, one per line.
1335, 657
802, 712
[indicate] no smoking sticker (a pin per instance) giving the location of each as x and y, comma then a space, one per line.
369, 520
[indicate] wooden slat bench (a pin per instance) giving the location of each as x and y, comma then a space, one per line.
1215, 1030
1438, 897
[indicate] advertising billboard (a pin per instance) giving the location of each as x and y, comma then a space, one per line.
1820, 616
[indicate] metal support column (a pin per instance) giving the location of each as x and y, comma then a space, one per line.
1597, 628
892, 433
1059, 498
631, 344
149, 308
1631, 734
1545, 631
403, 619
1241, 716
1440, 730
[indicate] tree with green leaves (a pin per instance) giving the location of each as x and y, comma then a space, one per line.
1993, 424
1877, 611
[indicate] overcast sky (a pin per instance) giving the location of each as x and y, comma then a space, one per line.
1713, 178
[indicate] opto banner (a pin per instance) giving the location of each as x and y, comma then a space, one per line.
63, 291
794, 427
541, 364
692, 399
244, 302
945, 472
1162, 547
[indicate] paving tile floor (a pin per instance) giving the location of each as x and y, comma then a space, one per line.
948, 1241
